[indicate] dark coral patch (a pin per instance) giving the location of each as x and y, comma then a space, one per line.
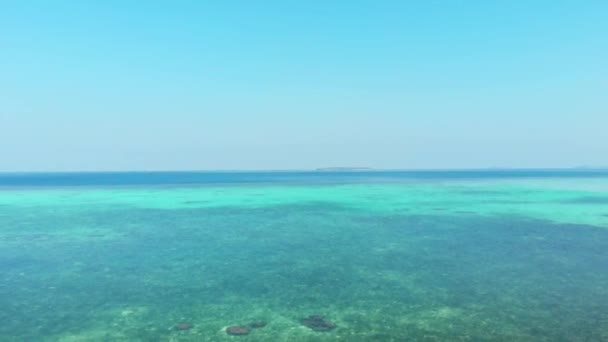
183, 326
318, 323
257, 324
237, 330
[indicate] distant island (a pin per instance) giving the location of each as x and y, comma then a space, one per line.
344, 168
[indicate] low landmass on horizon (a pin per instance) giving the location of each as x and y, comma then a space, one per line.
345, 168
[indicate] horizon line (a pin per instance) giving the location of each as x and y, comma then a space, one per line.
319, 170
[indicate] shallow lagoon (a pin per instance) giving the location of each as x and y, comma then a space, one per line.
386, 258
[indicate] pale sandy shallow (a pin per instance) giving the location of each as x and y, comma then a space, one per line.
569, 200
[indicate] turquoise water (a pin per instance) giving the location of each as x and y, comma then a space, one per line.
485, 256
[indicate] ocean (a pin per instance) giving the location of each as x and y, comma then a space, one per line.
487, 255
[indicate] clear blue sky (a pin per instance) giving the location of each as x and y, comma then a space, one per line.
132, 85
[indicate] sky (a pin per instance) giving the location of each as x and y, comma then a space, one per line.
231, 85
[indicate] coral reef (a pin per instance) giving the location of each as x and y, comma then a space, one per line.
237, 330
183, 326
258, 324
318, 323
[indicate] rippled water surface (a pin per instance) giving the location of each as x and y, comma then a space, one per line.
453, 256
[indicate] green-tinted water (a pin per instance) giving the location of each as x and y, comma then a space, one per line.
506, 260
